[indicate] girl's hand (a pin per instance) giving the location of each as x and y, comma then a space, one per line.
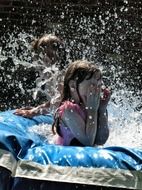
31, 112
93, 98
106, 94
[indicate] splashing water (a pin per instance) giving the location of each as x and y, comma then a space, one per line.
125, 114
125, 121
44, 132
125, 124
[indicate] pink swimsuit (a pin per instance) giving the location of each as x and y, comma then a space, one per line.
67, 135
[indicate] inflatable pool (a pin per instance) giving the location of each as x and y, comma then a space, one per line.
29, 163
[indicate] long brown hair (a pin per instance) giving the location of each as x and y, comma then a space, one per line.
78, 70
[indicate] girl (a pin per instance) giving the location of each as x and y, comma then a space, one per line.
81, 119
50, 51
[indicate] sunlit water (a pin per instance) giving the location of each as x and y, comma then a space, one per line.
125, 120
125, 125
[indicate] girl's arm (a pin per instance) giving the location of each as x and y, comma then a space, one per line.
103, 130
75, 122
84, 130
92, 104
31, 112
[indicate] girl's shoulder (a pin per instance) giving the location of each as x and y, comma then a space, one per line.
68, 105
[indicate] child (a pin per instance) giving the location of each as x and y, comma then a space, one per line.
81, 119
49, 51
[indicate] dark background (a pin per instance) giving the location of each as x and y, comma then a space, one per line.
107, 31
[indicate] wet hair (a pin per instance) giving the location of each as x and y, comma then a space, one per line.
46, 40
78, 70
53, 42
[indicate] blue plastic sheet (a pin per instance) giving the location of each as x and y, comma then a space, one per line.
14, 133
31, 153
109, 157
